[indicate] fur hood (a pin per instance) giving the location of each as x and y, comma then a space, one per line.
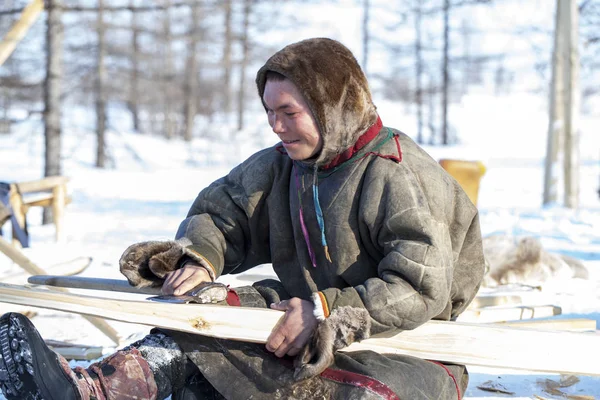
333, 85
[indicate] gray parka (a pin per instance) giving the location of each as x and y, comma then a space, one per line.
403, 237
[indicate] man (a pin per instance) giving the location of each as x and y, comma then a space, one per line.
366, 233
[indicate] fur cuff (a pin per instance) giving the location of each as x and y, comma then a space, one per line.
148, 263
344, 326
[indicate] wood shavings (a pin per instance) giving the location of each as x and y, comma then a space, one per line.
495, 387
568, 380
553, 387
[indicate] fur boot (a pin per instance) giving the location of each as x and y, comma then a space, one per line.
343, 327
29, 370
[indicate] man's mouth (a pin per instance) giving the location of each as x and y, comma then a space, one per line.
289, 141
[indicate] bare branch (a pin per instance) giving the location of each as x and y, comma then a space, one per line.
12, 11
129, 8
583, 5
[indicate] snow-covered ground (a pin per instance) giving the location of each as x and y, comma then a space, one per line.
152, 182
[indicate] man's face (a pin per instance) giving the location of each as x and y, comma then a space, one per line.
291, 119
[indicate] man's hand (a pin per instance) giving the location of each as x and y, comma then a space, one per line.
295, 329
185, 279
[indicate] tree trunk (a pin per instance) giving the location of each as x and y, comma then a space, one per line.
191, 82
555, 123
100, 91
466, 34
52, 94
169, 123
564, 108
431, 108
445, 73
244, 63
572, 102
366, 9
227, 57
418, 71
134, 88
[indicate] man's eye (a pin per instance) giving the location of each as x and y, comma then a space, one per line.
290, 114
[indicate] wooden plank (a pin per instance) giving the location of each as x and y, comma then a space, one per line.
19, 258
499, 314
45, 200
495, 300
471, 344
72, 351
59, 193
563, 324
79, 353
20, 28
84, 282
44, 184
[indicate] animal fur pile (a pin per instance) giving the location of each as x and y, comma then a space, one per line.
525, 261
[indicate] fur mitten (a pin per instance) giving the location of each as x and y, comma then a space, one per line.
148, 263
343, 327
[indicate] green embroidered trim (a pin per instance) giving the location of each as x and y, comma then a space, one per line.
356, 157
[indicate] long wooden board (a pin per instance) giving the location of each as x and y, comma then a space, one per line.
84, 282
501, 314
471, 344
555, 324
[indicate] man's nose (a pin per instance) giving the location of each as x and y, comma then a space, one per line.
277, 125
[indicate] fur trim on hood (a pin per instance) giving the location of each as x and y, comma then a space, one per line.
333, 85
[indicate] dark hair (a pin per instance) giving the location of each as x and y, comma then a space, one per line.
274, 76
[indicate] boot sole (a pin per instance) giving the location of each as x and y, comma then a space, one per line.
29, 370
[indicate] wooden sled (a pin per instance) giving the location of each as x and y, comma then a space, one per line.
30, 267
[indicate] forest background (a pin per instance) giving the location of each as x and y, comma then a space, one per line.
178, 69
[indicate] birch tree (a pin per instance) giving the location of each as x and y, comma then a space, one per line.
226, 61
100, 90
418, 70
134, 88
564, 108
245, 42
168, 74
365, 36
445, 72
190, 88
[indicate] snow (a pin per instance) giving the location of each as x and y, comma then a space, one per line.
150, 183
